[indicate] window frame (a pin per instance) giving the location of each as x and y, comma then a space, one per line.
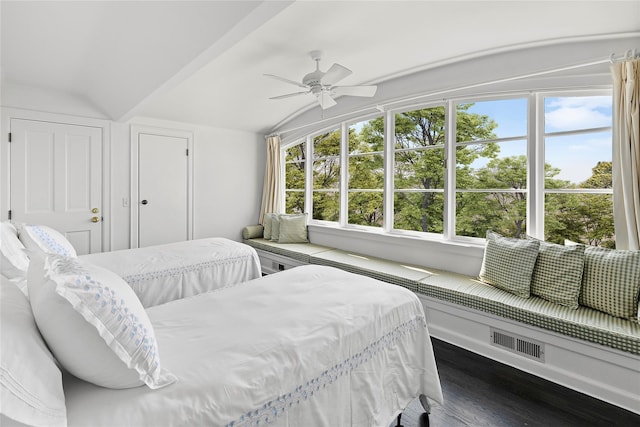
535, 187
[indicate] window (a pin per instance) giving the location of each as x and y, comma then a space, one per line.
366, 173
419, 170
492, 170
491, 167
326, 176
295, 178
578, 195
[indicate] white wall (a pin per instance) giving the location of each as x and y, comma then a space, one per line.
228, 164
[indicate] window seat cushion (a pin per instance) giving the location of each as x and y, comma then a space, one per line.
298, 251
407, 276
584, 323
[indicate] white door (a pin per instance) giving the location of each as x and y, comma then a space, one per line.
163, 189
56, 179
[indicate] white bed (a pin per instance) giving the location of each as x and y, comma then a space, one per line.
311, 346
157, 274
163, 273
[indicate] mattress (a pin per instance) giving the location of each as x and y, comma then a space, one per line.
311, 346
163, 273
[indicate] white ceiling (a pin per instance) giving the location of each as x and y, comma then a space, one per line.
203, 61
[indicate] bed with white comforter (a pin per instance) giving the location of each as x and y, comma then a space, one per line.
311, 346
163, 273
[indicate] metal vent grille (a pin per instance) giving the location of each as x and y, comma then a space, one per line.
518, 344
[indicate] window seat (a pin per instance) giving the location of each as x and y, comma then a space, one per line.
585, 349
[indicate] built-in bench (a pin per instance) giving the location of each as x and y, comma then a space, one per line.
582, 348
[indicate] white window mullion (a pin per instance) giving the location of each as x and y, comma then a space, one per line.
389, 168
308, 177
536, 162
344, 174
450, 172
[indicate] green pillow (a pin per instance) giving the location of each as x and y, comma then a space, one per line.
611, 281
293, 229
267, 223
508, 263
557, 274
275, 227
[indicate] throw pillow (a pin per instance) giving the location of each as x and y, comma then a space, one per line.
557, 274
293, 229
267, 223
45, 239
275, 227
508, 263
94, 324
611, 281
31, 390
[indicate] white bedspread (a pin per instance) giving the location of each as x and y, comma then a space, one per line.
311, 346
164, 273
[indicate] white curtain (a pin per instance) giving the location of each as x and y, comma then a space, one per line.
626, 153
271, 188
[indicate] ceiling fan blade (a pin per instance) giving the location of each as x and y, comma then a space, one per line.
367, 91
325, 100
289, 95
336, 73
282, 79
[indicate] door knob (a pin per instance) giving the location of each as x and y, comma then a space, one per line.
144, 202
95, 219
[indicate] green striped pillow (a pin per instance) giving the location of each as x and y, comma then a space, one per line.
557, 275
611, 281
508, 263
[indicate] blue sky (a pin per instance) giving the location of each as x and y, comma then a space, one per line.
575, 155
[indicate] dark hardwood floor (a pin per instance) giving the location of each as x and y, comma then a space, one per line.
481, 392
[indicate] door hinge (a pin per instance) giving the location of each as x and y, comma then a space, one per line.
187, 151
9, 214
9, 136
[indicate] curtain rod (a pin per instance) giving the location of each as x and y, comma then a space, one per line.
630, 54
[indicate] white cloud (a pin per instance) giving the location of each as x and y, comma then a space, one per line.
574, 113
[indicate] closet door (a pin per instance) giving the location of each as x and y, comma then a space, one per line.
163, 193
56, 179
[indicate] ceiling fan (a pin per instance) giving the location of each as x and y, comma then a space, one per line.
321, 84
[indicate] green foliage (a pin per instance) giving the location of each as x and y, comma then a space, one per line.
419, 175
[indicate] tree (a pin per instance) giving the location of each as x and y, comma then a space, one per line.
295, 178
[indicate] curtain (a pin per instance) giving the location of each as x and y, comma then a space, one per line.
271, 188
626, 153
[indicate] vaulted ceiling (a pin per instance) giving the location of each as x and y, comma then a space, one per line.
203, 62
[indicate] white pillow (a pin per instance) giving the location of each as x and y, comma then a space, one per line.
15, 261
94, 324
31, 390
45, 239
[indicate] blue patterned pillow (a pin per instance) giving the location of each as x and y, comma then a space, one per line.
45, 239
94, 323
508, 263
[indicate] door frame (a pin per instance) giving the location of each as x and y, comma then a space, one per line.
136, 130
8, 113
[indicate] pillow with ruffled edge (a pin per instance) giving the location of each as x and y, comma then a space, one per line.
113, 344
508, 263
45, 239
31, 389
14, 261
557, 274
293, 228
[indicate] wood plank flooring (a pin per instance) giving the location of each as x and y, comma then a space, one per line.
481, 392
